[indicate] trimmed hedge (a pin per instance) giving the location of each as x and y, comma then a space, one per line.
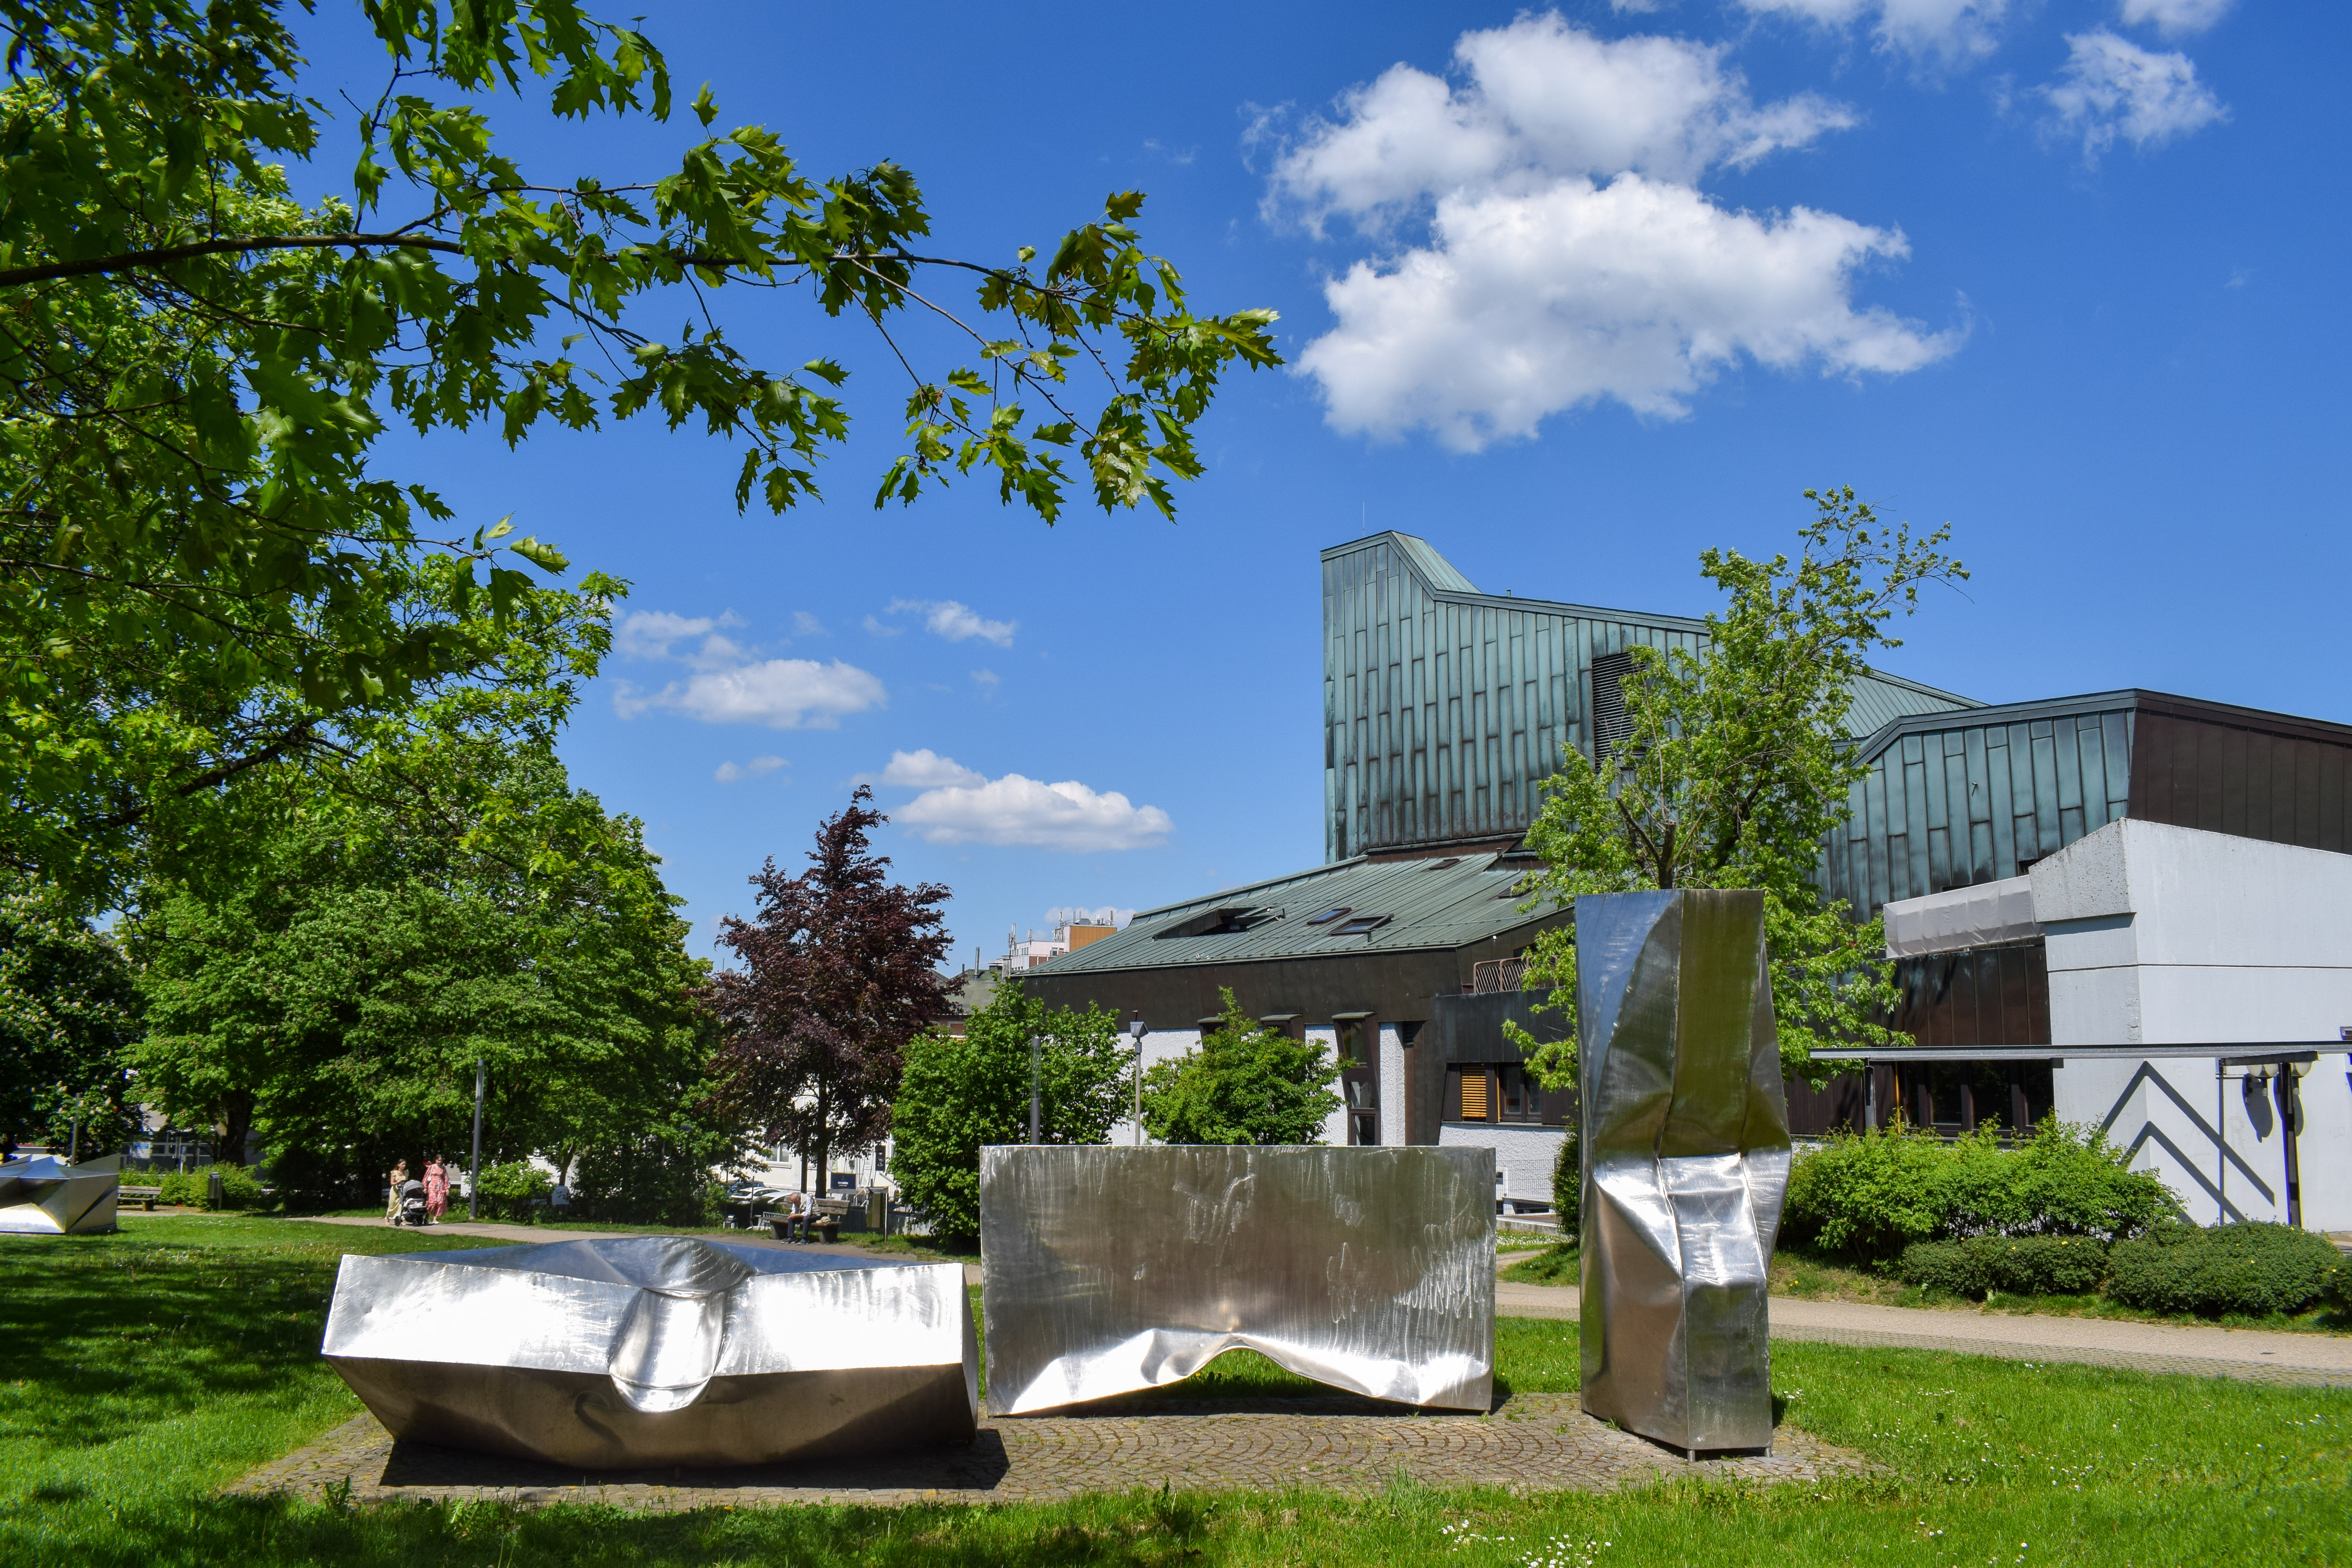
240, 1188
2255, 1269
2020, 1265
1871, 1194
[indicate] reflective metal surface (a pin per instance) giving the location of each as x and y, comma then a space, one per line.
46, 1197
1105, 1270
656, 1350
1685, 1145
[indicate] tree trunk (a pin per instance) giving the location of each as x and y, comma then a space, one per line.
236, 1125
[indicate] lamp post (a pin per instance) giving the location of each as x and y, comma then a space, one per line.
473, 1170
1136, 1031
1034, 1101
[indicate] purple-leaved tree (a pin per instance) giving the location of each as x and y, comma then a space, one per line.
838, 973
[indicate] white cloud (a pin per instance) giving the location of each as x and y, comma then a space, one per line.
1017, 810
2110, 87
988, 680
925, 769
1545, 100
806, 626
758, 767
647, 634
881, 629
957, 622
781, 693
2173, 18
1569, 256
1950, 31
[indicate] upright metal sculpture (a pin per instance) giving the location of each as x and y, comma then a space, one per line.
663, 1350
43, 1196
1686, 1149
1105, 1270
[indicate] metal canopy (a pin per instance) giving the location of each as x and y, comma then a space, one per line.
2234, 1050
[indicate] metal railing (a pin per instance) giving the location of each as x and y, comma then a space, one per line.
1497, 976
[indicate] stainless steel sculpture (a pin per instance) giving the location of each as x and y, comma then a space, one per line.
43, 1196
1105, 1270
1686, 1149
662, 1350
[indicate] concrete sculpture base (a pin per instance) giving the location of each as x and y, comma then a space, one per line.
1107, 1270
665, 1350
46, 1197
1686, 1149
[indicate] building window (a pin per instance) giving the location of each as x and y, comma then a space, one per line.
1352, 1047
1327, 916
1611, 725
1470, 1096
1357, 925
1521, 1096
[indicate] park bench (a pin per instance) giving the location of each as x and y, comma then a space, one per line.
146, 1196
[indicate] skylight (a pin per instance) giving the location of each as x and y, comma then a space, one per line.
1327, 916
1360, 924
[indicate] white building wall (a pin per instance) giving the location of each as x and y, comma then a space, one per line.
2167, 935
1523, 1156
1159, 1046
1393, 1090
1335, 1126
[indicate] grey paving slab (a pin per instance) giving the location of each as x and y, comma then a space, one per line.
1538, 1442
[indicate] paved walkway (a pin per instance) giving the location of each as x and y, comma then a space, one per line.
1534, 1442
2195, 1350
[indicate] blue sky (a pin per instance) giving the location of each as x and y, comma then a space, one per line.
1571, 294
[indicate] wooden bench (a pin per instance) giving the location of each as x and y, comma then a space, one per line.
139, 1194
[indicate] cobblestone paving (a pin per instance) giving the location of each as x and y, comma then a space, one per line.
1535, 1442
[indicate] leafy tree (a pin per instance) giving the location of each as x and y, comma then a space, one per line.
1242, 1084
333, 987
958, 1094
67, 1011
838, 975
204, 570
1737, 763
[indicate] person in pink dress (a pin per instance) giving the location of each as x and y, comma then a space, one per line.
437, 1188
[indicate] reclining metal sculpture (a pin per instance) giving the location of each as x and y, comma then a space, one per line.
663, 1350
43, 1196
1686, 1154
1107, 1270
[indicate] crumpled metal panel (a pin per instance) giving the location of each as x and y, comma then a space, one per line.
43, 1196
1105, 1270
665, 1350
1686, 1150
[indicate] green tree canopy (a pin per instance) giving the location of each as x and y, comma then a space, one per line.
333, 985
69, 1012
1242, 1084
1737, 763
959, 1093
204, 570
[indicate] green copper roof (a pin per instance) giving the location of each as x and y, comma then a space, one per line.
1441, 902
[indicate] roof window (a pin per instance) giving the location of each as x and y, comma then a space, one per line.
1222, 921
1327, 916
1442, 865
1360, 925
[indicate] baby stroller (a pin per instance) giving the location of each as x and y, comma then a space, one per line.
412, 1204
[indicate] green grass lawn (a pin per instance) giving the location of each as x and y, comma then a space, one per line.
140, 1372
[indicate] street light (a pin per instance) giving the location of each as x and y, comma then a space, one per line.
1137, 1029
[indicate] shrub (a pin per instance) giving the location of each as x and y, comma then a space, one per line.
2024, 1266
507, 1192
1872, 1194
652, 1180
2255, 1269
1568, 1184
240, 1188
1867, 1194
